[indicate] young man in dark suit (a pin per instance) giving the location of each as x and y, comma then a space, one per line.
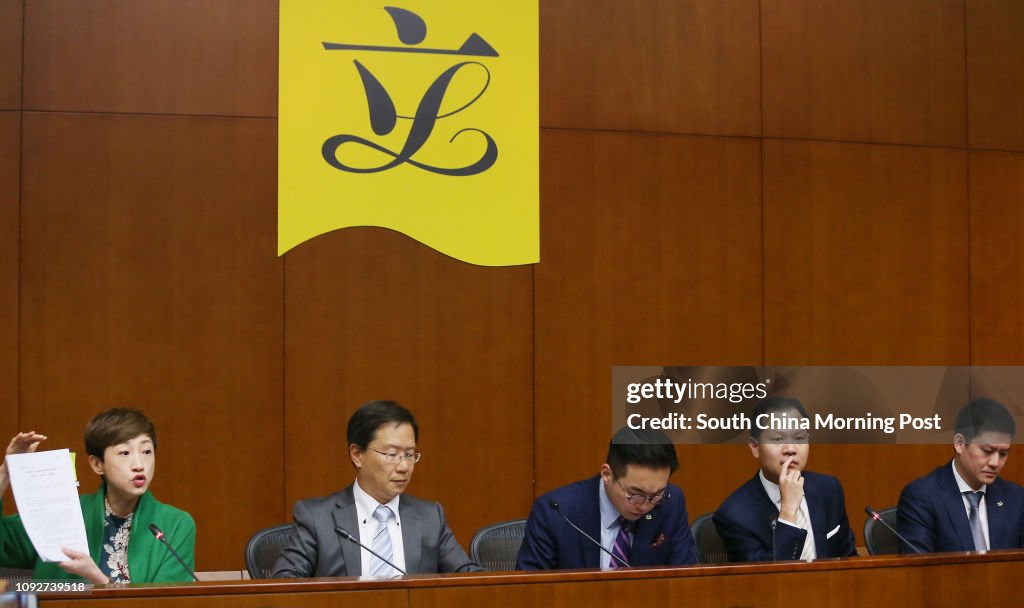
784, 512
964, 505
630, 508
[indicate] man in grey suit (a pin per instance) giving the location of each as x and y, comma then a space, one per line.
409, 533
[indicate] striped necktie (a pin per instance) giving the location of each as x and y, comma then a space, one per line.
382, 543
623, 546
974, 518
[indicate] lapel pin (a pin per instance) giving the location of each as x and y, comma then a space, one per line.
999, 504
649, 517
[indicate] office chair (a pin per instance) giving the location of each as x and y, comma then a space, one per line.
495, 547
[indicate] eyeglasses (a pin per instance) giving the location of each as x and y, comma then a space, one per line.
639, 499
395, 457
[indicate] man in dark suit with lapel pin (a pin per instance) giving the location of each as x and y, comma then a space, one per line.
410, 533
964, 505
630, 508
784, 512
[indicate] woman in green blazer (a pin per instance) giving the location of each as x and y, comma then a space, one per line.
121, 444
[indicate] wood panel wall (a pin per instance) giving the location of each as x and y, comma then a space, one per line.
995, 100
864, 70
10, 186
10, 140
372, 313
723, 182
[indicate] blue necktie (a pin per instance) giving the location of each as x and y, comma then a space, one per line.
382, 543
974, 517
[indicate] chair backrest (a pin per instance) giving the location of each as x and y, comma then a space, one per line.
710, 548
879, 539
264, 548
496, 547
16, 575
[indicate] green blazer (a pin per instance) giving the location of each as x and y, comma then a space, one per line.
148, 560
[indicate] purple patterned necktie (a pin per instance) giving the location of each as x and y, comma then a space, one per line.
623, 546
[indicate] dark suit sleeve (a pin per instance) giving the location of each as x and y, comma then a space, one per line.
451, 557
683, 550
744, 545
1020, 511
915, 518
1020, 516
299, 555
539, 550
850, 549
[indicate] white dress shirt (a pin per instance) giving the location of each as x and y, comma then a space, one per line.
609, 526
982, 509
775, 494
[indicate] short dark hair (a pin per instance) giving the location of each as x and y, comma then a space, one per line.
643, 447
114, 426
772, 405
363, 424
984, 415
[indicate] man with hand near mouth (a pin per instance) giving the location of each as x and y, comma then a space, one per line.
784, 512
629, 508
121, 444
410, 533
963, 505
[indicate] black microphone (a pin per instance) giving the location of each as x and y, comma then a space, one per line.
554, 505
344, 534
875, 516
160, 537
774, 523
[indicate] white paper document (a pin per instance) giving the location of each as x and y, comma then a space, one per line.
44, 489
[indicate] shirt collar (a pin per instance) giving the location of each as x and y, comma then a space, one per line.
960, 483
109, 513
774, 493
366, 504
609, 514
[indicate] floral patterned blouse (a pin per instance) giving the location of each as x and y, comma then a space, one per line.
114, 557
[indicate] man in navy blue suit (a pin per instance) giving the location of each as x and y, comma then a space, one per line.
963, 505
784, 512
630, 508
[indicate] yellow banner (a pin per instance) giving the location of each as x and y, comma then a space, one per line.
415, 115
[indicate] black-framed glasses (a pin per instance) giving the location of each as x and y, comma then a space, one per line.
395, 457
639, 499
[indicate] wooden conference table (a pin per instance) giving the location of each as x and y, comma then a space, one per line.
949, 579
